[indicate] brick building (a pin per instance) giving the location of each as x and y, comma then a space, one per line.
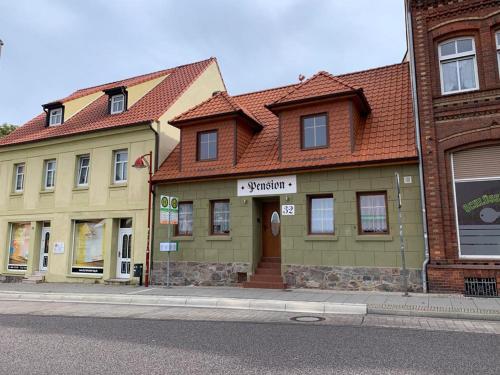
456, 61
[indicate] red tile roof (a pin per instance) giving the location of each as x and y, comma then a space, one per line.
95, 116
220, 103
388, 133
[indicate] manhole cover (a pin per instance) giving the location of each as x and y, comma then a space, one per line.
307, 319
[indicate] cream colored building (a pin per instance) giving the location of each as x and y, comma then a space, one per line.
72, 208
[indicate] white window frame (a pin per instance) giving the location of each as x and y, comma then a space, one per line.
124, 167
55, 116
46, 174
458, 57
115, 99
80, 170
497, 42
19, 175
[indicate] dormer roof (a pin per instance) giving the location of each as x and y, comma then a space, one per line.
219, 105
320, 86
95, 116
387, 134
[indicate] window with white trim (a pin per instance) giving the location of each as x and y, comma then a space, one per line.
314, 131
50, 174
457, 66
497, 38
55, 116
19, 178
120, 166
83, 170
117, 104
321, 215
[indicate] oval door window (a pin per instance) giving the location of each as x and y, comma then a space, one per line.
275, 223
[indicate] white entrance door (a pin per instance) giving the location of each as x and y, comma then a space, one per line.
44, 249
124, 253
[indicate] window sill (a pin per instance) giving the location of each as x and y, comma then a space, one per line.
83, 276
118, 185
182, 238
80, 188
47, 191
374, 237
16, 193
321, 237
219, 238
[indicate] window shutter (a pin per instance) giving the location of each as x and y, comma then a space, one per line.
478, 162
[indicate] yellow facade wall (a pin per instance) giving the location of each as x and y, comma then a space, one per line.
72, 107
101, 200
136, 92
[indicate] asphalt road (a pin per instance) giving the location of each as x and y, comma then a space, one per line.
81, 345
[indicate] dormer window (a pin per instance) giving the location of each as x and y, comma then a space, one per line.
117, 104
314, 129
55, 116
207, 145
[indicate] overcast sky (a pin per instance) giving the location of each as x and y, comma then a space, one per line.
54, 47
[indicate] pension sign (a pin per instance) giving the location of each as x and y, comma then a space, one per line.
267, 186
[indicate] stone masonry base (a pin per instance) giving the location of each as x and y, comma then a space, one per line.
296, 276
198, 274
350, 278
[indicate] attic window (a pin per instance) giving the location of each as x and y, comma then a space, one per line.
117, 100
117, 104
55, 116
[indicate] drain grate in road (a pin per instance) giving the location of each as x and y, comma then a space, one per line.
307, 319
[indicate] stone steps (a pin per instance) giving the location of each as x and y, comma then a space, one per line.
267, 275
33, 279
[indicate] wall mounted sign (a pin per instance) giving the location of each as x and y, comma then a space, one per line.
288, 209
58, 248
169, 210
267, 186
168, 246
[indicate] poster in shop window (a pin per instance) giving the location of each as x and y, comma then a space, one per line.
478, 216
19, 246
88, 256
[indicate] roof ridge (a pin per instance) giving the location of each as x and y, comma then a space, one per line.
137, 76
180, 115
372, 69
336, 79
264, 90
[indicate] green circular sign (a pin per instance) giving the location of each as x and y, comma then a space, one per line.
173, 202
164, 202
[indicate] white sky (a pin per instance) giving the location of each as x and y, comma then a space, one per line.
53, 47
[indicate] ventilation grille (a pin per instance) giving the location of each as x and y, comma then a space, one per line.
481, 287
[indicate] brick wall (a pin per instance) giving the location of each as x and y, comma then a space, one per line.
453, 122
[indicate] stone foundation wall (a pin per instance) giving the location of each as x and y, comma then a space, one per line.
198, 274
350, 278
11, 279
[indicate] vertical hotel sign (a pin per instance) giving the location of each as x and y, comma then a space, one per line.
169, 210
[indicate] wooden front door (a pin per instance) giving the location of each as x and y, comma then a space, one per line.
271, 229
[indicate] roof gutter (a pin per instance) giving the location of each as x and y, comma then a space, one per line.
413, 76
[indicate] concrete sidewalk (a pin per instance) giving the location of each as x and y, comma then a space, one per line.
296, 300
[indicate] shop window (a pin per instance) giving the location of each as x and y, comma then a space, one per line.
314, 131
50, 174
207, 145
219, 216
83, 170
19, 245
120, 167
19, 177
372, 213
457, 64
321, 214
185, 225
88, 247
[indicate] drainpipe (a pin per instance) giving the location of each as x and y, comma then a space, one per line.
157, 145
413, 75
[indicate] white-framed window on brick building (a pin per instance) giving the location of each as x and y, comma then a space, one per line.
458, 66
497, 42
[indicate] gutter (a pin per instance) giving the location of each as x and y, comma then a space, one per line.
153, 208
413, 76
